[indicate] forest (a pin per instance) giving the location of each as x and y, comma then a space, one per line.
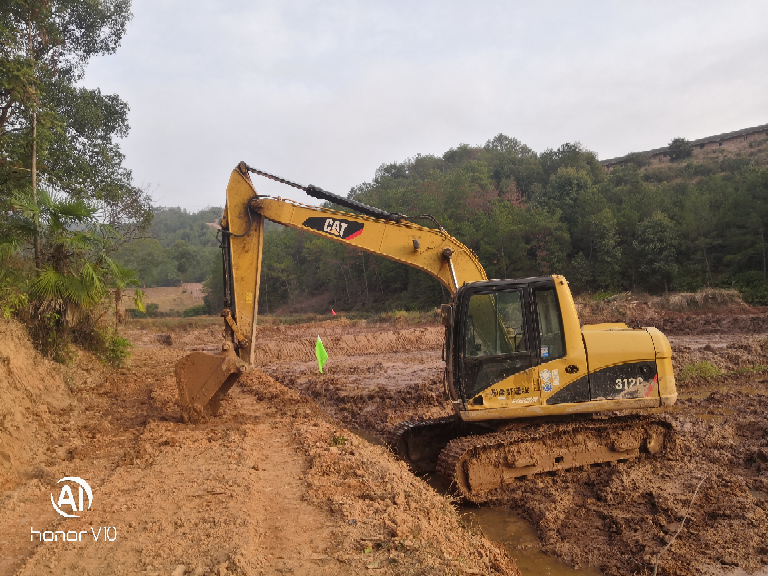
677, 226
177, 247
67, 202
76, 232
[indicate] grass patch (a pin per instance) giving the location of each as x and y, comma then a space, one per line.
696, 370
338, 440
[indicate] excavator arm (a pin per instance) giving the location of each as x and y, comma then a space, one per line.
433, 251
204, 379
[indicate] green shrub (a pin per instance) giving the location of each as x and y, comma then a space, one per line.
600, 296
338, 440
752, 286
701, 369
135, 313
199, 310
114, 349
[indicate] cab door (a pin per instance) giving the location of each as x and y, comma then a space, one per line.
562, 363
493, 341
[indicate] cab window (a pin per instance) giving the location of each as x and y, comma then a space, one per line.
552, 343
495, 341
495, 324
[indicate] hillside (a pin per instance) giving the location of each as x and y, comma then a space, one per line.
687, 216
748, 144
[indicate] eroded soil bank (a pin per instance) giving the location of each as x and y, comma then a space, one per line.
271, 486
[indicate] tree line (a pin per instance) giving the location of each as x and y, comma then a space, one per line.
679, 226
178, 247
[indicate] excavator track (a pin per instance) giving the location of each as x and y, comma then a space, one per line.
420, 442
479, 464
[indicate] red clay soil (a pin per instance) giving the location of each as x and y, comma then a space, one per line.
271, 486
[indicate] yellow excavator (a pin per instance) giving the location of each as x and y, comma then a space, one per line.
532, 390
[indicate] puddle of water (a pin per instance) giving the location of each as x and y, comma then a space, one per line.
712, 417
522, 543
720, 416
516, 535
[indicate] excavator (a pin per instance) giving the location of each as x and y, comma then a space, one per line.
532, 390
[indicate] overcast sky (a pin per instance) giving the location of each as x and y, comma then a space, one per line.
325, 92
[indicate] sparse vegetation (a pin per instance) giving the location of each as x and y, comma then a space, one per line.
114, 350
697, 370
338, 440
199, 310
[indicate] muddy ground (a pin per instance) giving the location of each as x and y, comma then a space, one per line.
283, 483
616, 519
271, 486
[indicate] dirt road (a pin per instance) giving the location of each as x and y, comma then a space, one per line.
272, 486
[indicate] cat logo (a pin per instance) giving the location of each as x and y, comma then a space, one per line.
344, 229
67, 499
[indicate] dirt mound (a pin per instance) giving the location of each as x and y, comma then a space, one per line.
726, 354
272, 485
755, 322
398, 520
710, 299
375, 409
706, 300
32, 390
707, 312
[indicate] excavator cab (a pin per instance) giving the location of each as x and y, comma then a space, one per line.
502, 328
516, 348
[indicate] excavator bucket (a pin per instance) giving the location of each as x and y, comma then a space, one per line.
203, 380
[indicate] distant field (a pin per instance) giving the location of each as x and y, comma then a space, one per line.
177, 298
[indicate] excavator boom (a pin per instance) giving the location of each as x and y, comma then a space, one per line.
392, 236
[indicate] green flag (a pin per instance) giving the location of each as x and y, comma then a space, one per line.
322, 355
